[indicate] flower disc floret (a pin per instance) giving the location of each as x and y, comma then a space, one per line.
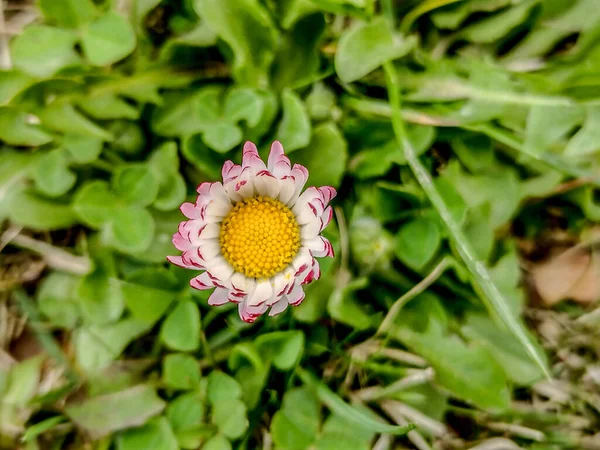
259, 237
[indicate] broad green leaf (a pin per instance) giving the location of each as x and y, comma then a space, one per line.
23, 382
547, 124
320, 103
244, 104
106, 414
222, 136
39, 428
294, 130
586, 141
42, 51
247, 28
108, 39
57, 300
417, 242
222, 387
181, 371
12, 82
66, 119
186, 113
38, 213
351, 414
95, 204
217, 442
15, 129
181, 329
155, 434
297, 58
284, 348
470, 373
338, 433
132, 229
53, 177
135, 184
129, 138
230, 417
366, 46
325, 157
100, 297
97, 346
186, 411
108, 106
504, 348
83, 149
149, 292
69, 13
296, 424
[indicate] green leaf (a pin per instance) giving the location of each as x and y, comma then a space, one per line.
284, 348
586, 141
325, 157
222, 387
366, 46
96, 346
504, 348
15, 129
95, 204
297, 58
155, 434
181, 371
230, 417
53, 176
132, 229
42, 51
108, 39
83, 149
296, 424
66, 119
40, 428
338, 433
149, 292
135, 184
470, 373
352, 415
294, 129
100, 297
217, 442
547, 124
496, 27
57, 301
106, 414
23, 381
30, 210
108, 106
245, 25
186, 412
417, 242
68, 13
13, 82
222, 137
244, 104
181, 329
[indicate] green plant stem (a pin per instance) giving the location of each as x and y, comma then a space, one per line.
492, 298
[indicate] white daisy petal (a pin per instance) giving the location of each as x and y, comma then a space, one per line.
267, 185
296, 296
218, 297
261, 293
279, 307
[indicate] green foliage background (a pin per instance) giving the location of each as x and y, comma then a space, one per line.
451, 129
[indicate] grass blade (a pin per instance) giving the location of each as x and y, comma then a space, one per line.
348, 412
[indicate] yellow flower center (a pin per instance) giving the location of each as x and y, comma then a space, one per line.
259, 237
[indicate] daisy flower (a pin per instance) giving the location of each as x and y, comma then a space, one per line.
256, 234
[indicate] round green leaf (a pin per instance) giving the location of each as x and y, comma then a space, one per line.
56, 299
135, 184
70, 13
108, 39
156, 434
218, 442
95, 204
132, 229
38, 213
294, 129
52, 176
181, 371
417, 242
230, 417
181, 329
83, 149
186, 411
14, 129
222, 136
42, 50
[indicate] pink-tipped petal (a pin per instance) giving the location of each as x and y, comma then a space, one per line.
218, 297
296, 296
278, 307
202, 282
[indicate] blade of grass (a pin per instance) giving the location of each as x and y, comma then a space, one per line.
348, 412
492, 297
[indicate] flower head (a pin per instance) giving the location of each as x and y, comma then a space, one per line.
256, 234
